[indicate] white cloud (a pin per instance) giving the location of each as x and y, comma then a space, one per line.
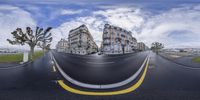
170, 28
70, 12
127, 18
12, 17
54, 13
177, 27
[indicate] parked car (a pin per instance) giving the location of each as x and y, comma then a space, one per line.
99, 53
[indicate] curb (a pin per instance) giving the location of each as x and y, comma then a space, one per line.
20, 65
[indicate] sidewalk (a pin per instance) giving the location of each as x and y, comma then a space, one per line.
4, 65
182, 60
188, 61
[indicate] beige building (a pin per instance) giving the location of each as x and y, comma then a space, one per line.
117, 40
134, 44
141, 46
81, 41
62, 46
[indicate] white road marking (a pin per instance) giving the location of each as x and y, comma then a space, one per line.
100, 63
100, 86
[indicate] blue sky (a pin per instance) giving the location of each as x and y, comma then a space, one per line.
173, 22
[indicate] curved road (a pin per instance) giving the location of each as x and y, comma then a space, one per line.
99, 69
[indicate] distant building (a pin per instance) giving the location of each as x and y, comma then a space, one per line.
81, 41
141, 46
62, 46
9, 51
194, 51
117, 40
134, 44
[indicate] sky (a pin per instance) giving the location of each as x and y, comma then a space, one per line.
175, 23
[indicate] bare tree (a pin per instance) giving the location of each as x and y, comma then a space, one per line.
156, 46
46, 41
30, 38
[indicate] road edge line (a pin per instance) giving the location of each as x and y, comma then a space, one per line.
92, 86
124, 91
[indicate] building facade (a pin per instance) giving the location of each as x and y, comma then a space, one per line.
117, 40
81, 41
141, 46
62, 46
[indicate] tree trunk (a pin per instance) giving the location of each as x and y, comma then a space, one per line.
43, 47
43, 50
31, 52
123, 49
157, 51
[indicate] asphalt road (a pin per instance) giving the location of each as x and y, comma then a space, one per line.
169, 81
100, 69
164, 80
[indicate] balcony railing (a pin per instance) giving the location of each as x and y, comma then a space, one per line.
83, 30
118, 37
106, 36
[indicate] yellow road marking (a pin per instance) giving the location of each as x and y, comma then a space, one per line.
54, 69
130, 89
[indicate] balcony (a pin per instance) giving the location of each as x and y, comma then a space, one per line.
106, 42
118, 37
82, 30
106, 36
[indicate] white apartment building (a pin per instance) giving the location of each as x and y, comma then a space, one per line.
62, 46
117, 40
81, 41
